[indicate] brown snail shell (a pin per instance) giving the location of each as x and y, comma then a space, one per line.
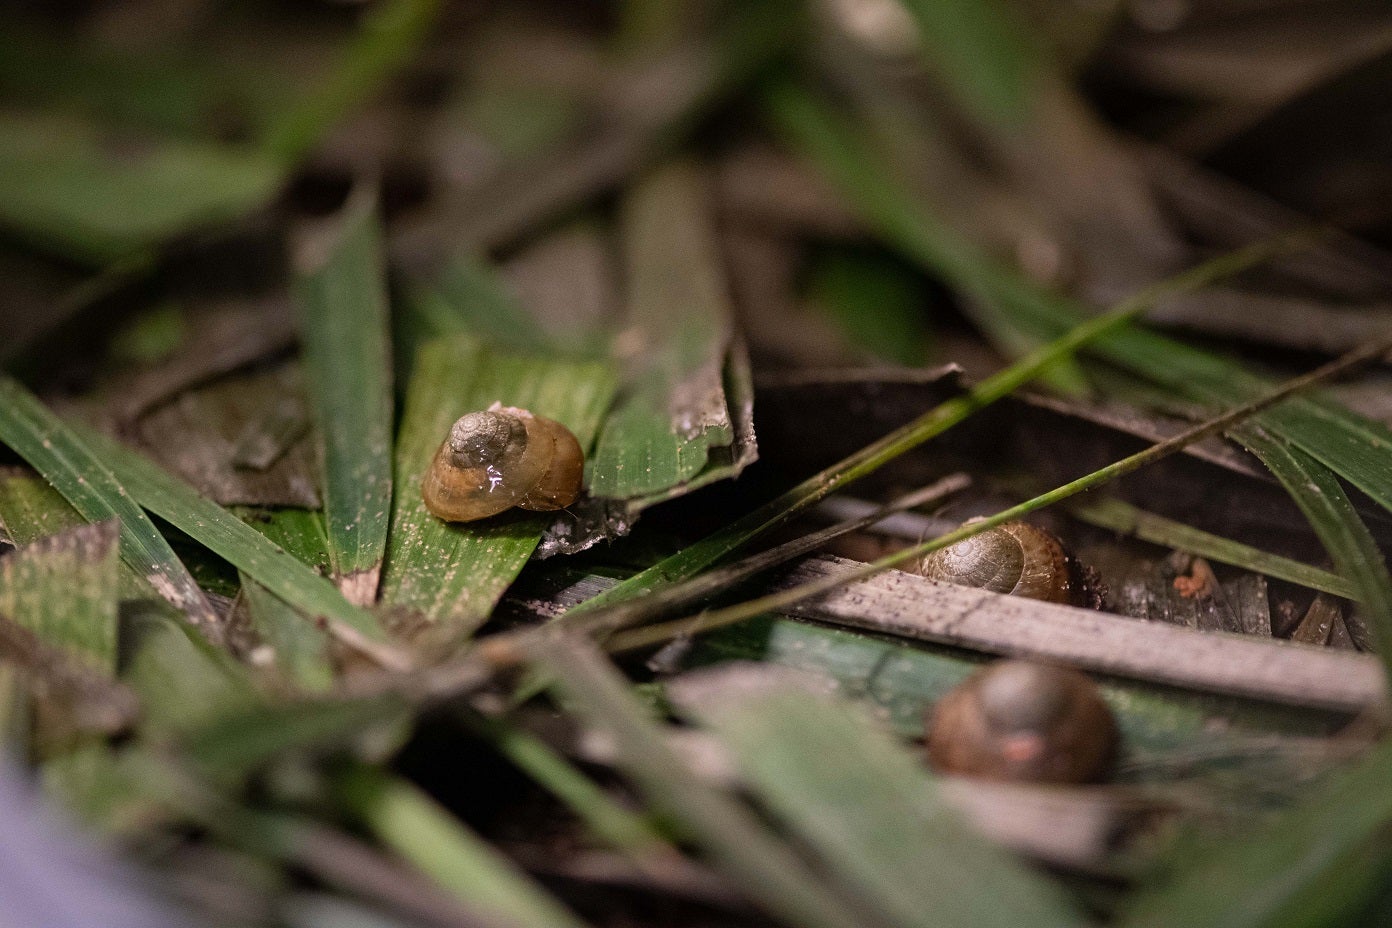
1023, 721
499, 458
1014, 557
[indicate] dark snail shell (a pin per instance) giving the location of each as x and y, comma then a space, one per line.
1023, 721
1014, 557
502, 457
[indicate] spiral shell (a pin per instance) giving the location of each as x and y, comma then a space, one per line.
1014, 557
1026, 722
499, 458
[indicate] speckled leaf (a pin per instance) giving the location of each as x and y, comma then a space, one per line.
64, 589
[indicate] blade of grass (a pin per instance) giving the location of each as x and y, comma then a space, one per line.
63, 458
301, 648
766, 869
1319, 863
1320, 496
246, 549
63, 589
1120, 516
674, 410
389, 34
978, 48
456, 572
67, 188
410, 823
932, 423
1348, 444
872, 813
182, 681
624, 830
341, 292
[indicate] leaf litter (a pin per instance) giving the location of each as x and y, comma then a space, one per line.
595, 227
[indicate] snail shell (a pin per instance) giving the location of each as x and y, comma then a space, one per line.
502, 457
1014, 557
1023, 721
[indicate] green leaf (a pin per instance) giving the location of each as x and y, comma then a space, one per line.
182, 681
763, 867
65, 461
63, 588
1317, 864
982, 53
412, 825
457, 572
302, 649
674, 410
238, 543
96, 199
341, 291
864, 805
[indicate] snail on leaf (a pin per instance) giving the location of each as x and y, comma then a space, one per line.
499, 458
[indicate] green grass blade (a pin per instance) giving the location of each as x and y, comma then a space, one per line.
871, 812
240, 545
1316, 864
1320, 496
622, 829
65, 461
183, 682
64, 589
1120, 516
674, 411
389, 34
452, 572
979, 50
412, 825
66, 188
762, 866
341, 291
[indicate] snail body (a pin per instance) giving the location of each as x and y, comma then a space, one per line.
1014, 557
500, 458
1022, 721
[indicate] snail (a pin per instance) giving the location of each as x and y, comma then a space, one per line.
1023, 721
503, 457
1014, 557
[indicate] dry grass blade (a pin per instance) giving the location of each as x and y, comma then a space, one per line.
65, 461
342, 295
